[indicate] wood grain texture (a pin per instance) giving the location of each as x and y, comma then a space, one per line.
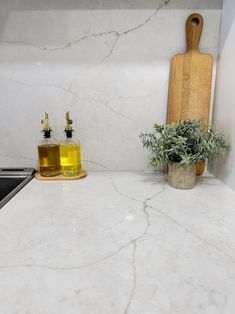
190, 79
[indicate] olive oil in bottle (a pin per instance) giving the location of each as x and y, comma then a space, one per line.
70, 157
48, 152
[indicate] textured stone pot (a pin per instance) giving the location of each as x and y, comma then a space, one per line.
181, 177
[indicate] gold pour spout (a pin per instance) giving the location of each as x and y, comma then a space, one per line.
69, 122
45, 122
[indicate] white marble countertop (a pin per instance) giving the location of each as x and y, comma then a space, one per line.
118, 243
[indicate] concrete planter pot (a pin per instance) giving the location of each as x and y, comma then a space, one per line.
181, 177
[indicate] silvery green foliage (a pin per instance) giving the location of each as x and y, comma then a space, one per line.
186, 142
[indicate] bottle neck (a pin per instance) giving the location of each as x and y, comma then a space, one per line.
48, 138
68, 133
47, 134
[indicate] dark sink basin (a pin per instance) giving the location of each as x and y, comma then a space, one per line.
12, 180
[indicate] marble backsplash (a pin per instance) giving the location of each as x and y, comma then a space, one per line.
106, 63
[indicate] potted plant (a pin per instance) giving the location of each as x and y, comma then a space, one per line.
181, 146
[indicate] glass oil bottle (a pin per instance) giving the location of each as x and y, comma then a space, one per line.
70, 157
48, 152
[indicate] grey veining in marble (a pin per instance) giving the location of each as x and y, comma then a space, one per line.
120, 243
105, 61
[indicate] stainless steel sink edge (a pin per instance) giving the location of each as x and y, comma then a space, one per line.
27, 173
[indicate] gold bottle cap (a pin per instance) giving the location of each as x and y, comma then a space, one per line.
69, 122
45, 123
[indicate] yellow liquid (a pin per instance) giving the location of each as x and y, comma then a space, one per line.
70, 159
49, 160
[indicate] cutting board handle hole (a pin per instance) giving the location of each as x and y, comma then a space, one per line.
195, 21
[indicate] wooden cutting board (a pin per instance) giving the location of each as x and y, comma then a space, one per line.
190, 79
